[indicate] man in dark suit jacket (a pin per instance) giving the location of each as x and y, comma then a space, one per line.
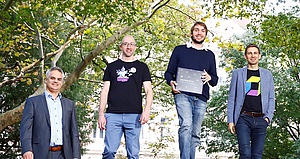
49, 128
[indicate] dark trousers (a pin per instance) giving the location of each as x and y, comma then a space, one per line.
55, 155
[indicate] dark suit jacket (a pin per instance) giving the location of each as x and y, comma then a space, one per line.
35, 131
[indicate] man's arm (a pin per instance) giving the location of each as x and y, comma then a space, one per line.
149, 99
103, 102
26, 130
213, 73
74, 133
271, 99
172, 67
231, 104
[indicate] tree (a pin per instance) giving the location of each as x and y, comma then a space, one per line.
80, 37
284, 27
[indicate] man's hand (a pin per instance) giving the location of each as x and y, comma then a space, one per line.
145, 117
173, 85
205, 77
268, 120
102, 122
231, 128
28, 155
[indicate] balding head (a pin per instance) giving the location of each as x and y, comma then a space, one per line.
128, 38
128, 47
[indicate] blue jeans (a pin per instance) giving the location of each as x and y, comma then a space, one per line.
116, 125
251, 133
191, 112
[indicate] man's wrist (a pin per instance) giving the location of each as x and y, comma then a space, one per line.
147, 109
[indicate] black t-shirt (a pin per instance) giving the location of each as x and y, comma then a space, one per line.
252, 102
126, 81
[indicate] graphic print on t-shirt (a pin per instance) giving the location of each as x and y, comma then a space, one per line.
253, 86
123, 74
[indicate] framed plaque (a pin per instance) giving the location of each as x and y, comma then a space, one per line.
189, 80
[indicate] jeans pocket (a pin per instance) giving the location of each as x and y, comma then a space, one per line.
267, 123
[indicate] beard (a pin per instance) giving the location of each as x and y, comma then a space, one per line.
196, 41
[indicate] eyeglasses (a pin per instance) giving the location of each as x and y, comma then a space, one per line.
128, 44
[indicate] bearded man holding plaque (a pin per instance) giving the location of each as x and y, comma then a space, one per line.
191, 69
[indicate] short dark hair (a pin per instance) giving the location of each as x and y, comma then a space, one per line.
201, 24
252, 45
53, 69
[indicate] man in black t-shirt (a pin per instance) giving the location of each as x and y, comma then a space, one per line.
122, 93
251, 105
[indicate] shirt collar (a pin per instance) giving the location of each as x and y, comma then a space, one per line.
48, 95
190, 45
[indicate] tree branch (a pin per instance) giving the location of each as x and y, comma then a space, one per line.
24, 69
72, 35
51, 41
156, 8
7, 5
159, 83
80, 28
292, 133
41, 52
186, 14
